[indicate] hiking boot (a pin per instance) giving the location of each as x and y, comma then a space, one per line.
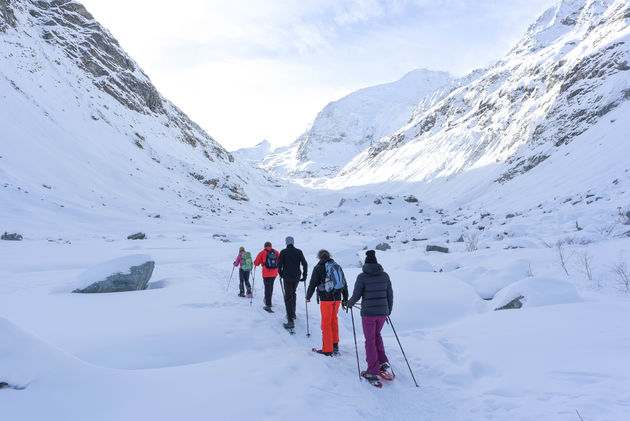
385, 366
369, 376
289, 324
249, 294
240, 294
336, 349
328, 354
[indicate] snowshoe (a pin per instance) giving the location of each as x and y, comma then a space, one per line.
386, 373
372, 378
289, 327
319, 351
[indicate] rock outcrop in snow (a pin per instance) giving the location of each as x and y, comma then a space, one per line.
130, 273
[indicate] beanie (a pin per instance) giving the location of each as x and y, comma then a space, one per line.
241, 248
267, 244
370, 257
289, 240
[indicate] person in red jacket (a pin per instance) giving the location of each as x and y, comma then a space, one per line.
268, 259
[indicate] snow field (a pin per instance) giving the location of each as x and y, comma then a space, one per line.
185, 347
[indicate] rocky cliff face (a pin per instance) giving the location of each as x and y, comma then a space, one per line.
83, 126
567, 74
68, 27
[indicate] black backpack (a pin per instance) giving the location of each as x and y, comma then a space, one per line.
272, 260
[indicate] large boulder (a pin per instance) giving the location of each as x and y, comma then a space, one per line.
383, 247
11, 237
137, 236
130, 273
437, 248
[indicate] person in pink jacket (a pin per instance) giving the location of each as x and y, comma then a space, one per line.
244, 260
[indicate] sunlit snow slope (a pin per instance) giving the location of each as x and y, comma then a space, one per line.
355, 122
555, 109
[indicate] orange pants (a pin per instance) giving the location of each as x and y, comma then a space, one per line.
330, 327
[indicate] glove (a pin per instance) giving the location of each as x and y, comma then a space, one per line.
344, 305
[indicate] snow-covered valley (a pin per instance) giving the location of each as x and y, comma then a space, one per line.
87, 159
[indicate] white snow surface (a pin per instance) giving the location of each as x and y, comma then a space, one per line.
188, 348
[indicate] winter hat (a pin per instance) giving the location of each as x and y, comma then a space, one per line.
267, 244
370, 257
289, 240
241, 248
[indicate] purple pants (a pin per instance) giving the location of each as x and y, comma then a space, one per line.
374, 349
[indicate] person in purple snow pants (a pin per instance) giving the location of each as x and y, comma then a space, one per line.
374, 288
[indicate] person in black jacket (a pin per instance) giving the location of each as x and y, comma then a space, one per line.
374, 288
289, 270
329, 303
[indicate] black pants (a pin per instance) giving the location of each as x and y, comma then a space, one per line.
244, 278
290, 285
268, 289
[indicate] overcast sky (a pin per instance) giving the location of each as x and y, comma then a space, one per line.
248, 70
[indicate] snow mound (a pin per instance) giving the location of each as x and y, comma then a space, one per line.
487, 282
431, 299
24, 358
538, 292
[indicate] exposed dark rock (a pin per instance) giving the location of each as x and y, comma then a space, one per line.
7, 17
411, 199
437, 248
11, 237
377, 201
137, 236
514, 304
383, 247
137, 279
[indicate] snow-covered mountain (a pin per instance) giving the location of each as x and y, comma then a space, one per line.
555, 108
355, 122
85, 132
255, 153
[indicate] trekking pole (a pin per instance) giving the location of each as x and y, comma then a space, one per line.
230, 280
251, 298
403, 351
356, 348
308, 333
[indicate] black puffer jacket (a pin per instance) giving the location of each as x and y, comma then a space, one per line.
319, 277
375, 290
289, 263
